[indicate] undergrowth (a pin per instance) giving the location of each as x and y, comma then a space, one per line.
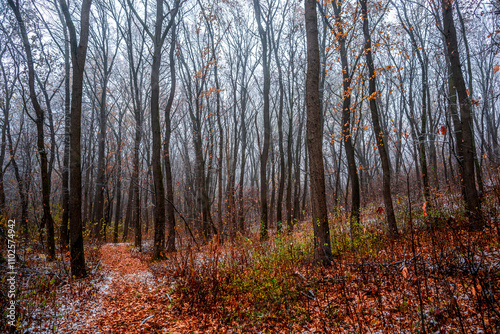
254, 281
437, 276
44, 289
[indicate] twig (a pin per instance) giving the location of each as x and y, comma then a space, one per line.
97, 266
185, 222
142, 322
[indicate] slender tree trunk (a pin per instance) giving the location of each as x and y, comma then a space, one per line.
170, 246
23, 196
134, 181
118, 204
47, 220
67, 121
160, 210
422, 132
129, 212
379, 133
88, 180
471, 91
322, 248
422, 140
282, 168
296, 192
289, 155
159, 237
98, 211
267, 124
472, 198
241, 205
346, 122
78, 55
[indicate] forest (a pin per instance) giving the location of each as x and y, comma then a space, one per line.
250, 166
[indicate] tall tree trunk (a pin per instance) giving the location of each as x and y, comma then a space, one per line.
170, 246
129, 212
296, 191
118, 204
137, 221
101, 169
471, 91
78, 55
7, 142
159, 189
159, 225
221, 143
67, 124
466, 145
21, 186
289, 155
346, 121
322, 248
423, 60
134, 181
241, 205
379, 133
282, 166
106, 67
47, 220
88, 180
267, 124
219, 123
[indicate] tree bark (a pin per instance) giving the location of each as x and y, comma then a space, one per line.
322, 248
282, 166
267, 124
78, 55
159, 225
379, 133
67, 126
466, 144
118, 204
170, 245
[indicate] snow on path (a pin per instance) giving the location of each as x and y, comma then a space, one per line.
121, 272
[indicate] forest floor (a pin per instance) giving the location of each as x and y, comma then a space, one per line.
437, 277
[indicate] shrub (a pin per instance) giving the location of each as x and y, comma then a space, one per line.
257, 281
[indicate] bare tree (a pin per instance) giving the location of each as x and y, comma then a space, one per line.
170, 244
47, 219
78, 56
466, 142
158, 38
377, 128
264, 155
104, 59
322, 248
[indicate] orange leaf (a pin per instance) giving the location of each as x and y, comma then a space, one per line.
443, 130
380, 210
405, 272
496, 68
